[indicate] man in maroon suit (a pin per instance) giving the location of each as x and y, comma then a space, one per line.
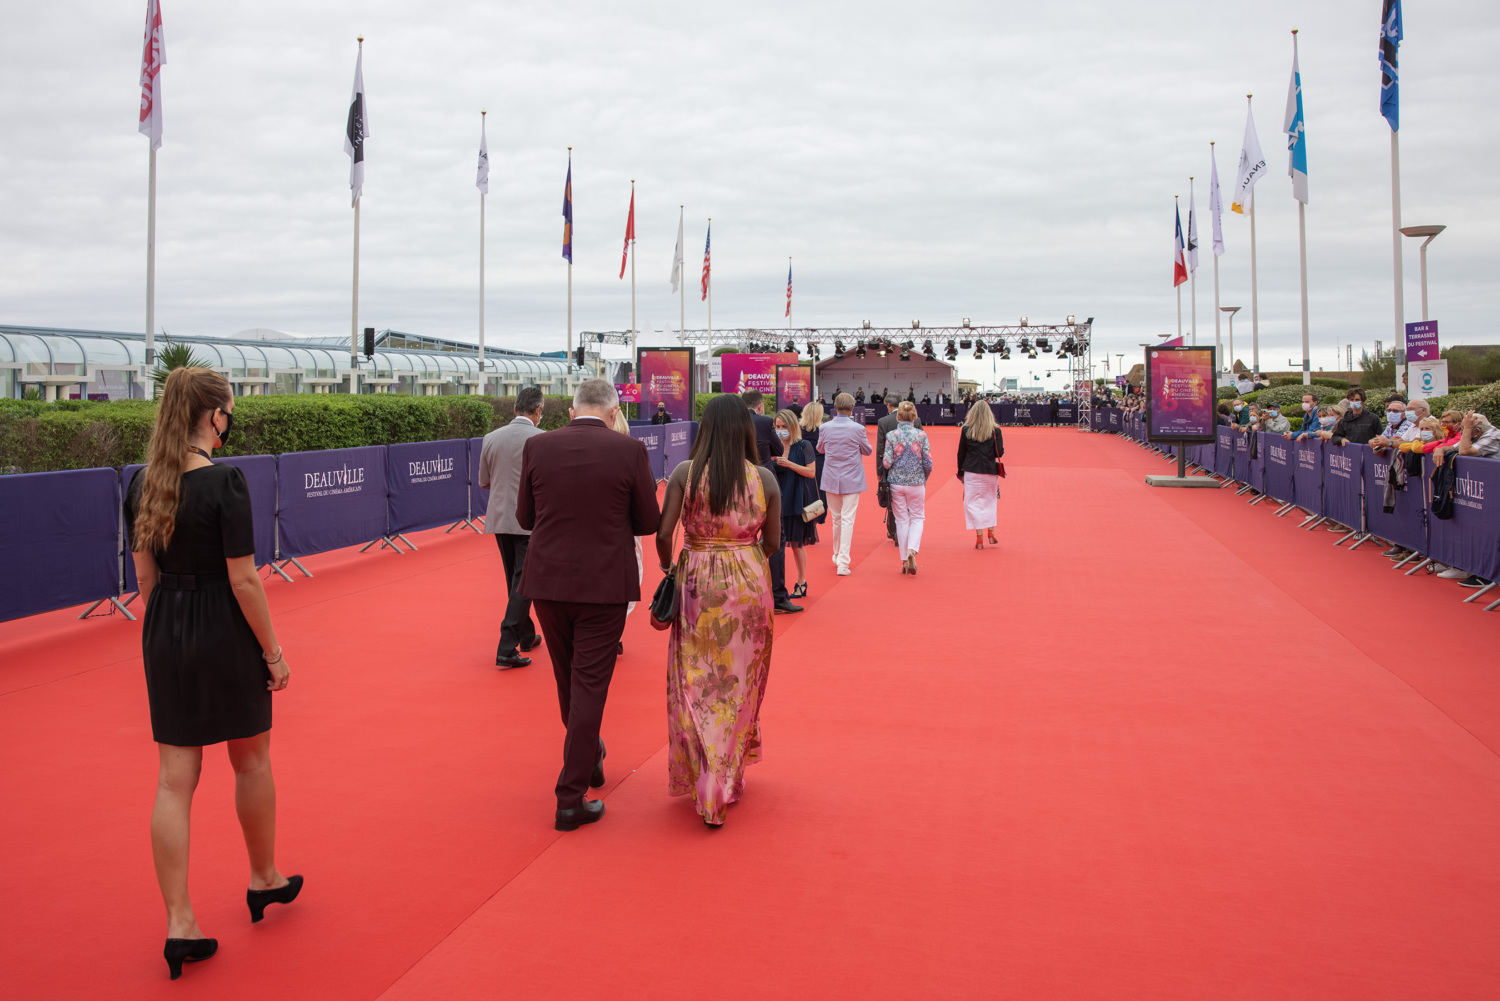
586, 493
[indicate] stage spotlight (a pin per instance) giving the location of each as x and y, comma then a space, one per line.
812, 349
966, 323
867, 324
1005, 353
905, 353
1031, 353
964, 344
1070, 319
791, 348
951, 351
908, 344
1068, 343
979, 349
882, 348
930, 354
916, 324
859, 350
998, 347
1041, 342
1025, 344
838, 348
1023, 321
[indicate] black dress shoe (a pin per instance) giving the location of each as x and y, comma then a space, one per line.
787, 606
258, 899
597, 778
620, 649
587, 812
188, 950
531, 645
514, 660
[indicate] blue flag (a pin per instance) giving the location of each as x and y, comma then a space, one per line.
1390, 38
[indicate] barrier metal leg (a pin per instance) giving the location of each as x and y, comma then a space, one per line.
1242, 489
1283, 509
1413, 555
294, 562
1351, 533
1361, 541
1310, 522
282, 573
383, 542
113, 601
1425, 561
406, 540
133, 595
1492, 605
1476, 594
1258, 498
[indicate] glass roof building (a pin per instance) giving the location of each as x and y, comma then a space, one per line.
96, 364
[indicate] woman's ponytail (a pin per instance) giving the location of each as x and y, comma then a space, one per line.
189, 393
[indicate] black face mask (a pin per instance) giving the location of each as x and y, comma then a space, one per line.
228, 426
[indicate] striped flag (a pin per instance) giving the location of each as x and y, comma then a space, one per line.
1391, 34
706, 242
1179, 266
153, 58
357, 130
788, 288
568, 213
629, 232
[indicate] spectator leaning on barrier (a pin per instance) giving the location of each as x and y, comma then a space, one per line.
1226, 417
1241, 414
1357, 425
1272, 421
1449, 434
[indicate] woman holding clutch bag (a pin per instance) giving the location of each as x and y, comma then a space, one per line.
719, 649
796, 472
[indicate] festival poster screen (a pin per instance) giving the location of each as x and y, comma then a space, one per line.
744, 371
1181, 401
666, 377
793, 385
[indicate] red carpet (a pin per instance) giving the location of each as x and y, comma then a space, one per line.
1156, 744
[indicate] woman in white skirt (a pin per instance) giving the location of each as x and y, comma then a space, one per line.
979, 450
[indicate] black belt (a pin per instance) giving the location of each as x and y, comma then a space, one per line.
193, 582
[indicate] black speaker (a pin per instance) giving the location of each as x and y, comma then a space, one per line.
369, 342
578, 356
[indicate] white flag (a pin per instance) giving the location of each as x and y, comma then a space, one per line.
153, 58
1192, 241
1215, 203
357, 130
482, 180
677, 258
1252, 166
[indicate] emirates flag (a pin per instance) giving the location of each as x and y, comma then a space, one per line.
629, 232
153, 58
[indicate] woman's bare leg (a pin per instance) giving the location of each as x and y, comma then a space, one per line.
171, 820
255, 803
800, 556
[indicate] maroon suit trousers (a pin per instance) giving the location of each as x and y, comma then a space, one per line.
581, 640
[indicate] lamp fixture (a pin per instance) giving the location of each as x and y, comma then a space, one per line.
966, 323
1024, 321
859, 350
838, 349
867, 324
916, 324
951, 351
1070, 319
927, 351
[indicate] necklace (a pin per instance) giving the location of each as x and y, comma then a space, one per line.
195, 448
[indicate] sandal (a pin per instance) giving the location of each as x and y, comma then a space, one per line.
993, 541
978, 542
800, 590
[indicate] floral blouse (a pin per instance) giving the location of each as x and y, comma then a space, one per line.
907, 456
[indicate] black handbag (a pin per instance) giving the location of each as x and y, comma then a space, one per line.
664, 602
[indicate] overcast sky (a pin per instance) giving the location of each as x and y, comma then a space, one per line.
918, 161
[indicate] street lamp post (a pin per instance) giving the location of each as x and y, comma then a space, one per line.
1431, 233
1231, 310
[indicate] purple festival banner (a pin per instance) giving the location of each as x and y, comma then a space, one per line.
1241, 456
651, 436
479, 500
1307, 474
1422, 341
1470, 540
666, 377
1280, 481
61, 542
330, 499
677, 447
427, 484
1343, 484
1405, 525
1181, 400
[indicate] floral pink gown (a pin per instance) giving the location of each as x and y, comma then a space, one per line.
720, 650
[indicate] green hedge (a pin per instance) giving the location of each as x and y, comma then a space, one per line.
73, 434
1291, 396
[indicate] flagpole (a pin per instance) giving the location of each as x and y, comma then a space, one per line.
570, 256
151, 275
354, 307
1177, 286
632, 275
1218, 342
1254, 278
789, 298
482, 384
1400, 280
1193, 271
681, 285
710, 299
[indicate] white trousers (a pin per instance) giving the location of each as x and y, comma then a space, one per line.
908, 504
841, 511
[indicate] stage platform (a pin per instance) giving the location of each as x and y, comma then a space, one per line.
1156, 744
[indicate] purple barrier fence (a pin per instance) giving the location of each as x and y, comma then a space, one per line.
1096, 418
1343, 480
1406, 524
1257, 462
479, 500
427, 484
1470, 540
1067, 413
677, 443
652, 437
331, 499
61, 543
260, 480
1241, 444
1279, 474
1113, 419
1307, 474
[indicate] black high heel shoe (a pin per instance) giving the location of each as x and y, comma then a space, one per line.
190, 950
258, 899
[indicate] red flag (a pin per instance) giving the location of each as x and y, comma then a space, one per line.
629, 232
153, 57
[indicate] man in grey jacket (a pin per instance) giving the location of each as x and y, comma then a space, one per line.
500, 474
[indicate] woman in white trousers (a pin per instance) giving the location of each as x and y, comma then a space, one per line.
980, 447
908, 460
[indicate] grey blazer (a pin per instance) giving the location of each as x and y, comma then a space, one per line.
500, 474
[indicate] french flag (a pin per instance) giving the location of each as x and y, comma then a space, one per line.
1179, 263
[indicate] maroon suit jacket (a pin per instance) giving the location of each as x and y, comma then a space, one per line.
586, 492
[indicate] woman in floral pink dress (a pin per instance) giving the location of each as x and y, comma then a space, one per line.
719, 651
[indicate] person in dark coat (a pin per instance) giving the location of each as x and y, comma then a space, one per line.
769, 447
661, 416
586, 494
1357, 425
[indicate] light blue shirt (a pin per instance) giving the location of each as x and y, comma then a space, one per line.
842, 442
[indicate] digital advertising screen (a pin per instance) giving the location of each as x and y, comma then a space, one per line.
793, 385
1180, 400
666, 376
745, 371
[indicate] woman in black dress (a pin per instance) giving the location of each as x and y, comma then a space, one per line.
811, 426
796, 468
210, 651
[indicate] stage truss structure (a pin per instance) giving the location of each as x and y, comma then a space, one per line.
1072, 341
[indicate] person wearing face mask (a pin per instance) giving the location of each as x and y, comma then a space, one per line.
1447, 435
1357, 425
1272, 421
796, 473
1400, 426
1309, 416
1241, 413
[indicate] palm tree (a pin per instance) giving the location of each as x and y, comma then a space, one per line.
172, 357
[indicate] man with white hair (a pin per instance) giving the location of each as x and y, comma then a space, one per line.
586, 493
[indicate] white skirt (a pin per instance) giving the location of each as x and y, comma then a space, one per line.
979, 500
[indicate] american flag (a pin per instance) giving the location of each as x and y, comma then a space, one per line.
707, 240
788, 288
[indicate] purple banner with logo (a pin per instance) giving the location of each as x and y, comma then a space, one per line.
1307, 474
676, 446
1406, 524
1241, 456
1470, 540
1277, 457
1343, 484
427, 484
1067, 413
652, 436
479, 500
1180, 387
331, 499
867, 413
1114, 419
1096, 418
1422, 341
61, 543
